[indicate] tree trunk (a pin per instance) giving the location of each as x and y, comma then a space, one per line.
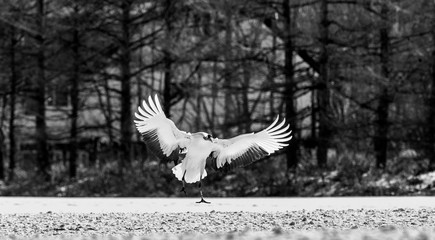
109, 115
74, 94
167, 59
13, 90
167, 85
126, 115
2, 138
139, 93
380, 141
323, 89
271, 75
289, 103
227, 86
2, 166
140, 150
431, 116
41, 131
246, 117
290, 111
214, 95
198, 119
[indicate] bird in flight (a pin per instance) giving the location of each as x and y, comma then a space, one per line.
192, 152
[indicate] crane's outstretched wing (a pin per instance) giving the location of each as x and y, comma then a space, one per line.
159, 133
247, 148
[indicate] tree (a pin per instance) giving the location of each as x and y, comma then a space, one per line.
2, 138
40, 119
74, 92
228, 76
12, 56
125, 61
324, 133
12, 102
290, 86
380, 141
169, 7
431, 115
2, 167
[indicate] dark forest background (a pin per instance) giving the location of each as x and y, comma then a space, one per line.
354, 78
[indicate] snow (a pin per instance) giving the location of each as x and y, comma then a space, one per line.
34, 205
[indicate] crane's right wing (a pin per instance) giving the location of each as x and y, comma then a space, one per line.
248, 148
159, 133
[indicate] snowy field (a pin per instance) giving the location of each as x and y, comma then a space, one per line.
32, 205
225, 218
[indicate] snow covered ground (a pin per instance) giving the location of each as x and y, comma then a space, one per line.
225, 218
34, 205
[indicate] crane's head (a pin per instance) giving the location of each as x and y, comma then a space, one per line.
205, 136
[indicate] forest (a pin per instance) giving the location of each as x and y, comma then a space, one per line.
355, 79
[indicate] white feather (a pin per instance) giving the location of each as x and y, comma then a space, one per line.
270, 140
151, 118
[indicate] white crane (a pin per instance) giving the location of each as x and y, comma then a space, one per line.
195, 150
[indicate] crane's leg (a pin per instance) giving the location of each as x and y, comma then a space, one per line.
184, 182
200, 191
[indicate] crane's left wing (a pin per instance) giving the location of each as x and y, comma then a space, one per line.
247, 148
159, 133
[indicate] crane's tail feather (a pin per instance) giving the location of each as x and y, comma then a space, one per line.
189, 178
178, 172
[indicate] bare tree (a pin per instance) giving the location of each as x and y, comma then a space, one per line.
2, 138
290, 86
12, 102
2, 166
246, 111
125, 60
169, 10
74, 94
380, 141
228, 70
41, 127
323, 88
431, 115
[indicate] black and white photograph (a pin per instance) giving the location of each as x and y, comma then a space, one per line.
217, 119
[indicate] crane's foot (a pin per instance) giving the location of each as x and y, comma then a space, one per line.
203, 201
183, 190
